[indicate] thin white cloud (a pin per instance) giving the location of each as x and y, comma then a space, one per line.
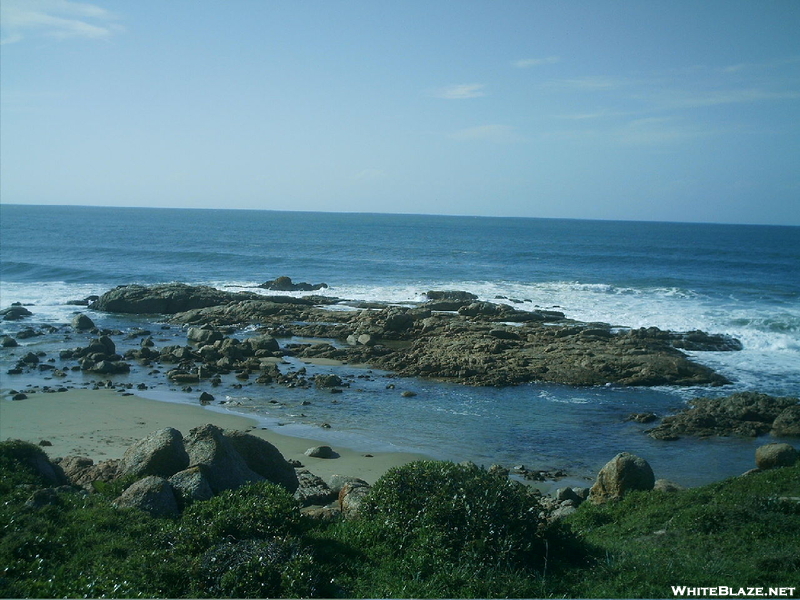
526, 63
497, 134
460, 91
683, 99
588, 84
60, 19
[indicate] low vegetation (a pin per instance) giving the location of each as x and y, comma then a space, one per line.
428, 529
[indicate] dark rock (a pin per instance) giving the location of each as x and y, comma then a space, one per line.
81, 322
312, 489
263, 458
504, 334
775, 455
205, 398
787, 423
647, 417
747, 414
154, 495
285, 284
15, 313
263, 342
227, 469
161, 453
622, 474
456, 295
8, 342
327, 381
19, 396
191, 485
167, 298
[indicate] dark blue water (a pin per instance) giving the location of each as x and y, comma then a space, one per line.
736, 279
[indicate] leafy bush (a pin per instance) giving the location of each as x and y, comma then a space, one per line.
278, 567
18, 462
260, 510
442, 510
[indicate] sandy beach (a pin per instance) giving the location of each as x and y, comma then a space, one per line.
101, 424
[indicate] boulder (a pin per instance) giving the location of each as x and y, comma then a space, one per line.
161, 453
775, 455
327, 381
321, 452
191, 485
207, 445
263, 458
263, 342
336, 482
8, 342
351, 496
622, 474
787, 423
81, 322
203, 335
312, 490
15, 313
152, 494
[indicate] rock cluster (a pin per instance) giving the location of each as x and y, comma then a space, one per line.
452, 336
746, 414
285, 284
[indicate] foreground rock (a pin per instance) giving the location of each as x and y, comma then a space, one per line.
748, 414
775, 455
622, 474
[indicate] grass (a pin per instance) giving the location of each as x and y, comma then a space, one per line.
429, 529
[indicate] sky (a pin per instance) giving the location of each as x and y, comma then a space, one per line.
634, 110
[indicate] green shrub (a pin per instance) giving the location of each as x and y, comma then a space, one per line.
260, 510
18, 461
279, 567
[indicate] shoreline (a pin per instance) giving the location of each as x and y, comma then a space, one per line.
102, 424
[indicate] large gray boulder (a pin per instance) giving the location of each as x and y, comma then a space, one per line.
152, 494
161, 453
351, 496
207, 445
622, 474
191, 485
263, 458
775, 455
81, 322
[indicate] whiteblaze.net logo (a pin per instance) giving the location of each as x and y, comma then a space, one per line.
725, 591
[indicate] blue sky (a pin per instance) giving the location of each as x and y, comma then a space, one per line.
644, 110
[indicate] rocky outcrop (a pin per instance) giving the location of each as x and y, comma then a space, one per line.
285, 284
770, 456
245, 311
82, 472
622, 474
747, 414
312, 489
191, 485
167, 298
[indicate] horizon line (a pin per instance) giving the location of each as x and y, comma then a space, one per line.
407, 214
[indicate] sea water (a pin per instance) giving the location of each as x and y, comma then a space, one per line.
740, 280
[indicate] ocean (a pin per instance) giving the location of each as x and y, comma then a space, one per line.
741, 280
